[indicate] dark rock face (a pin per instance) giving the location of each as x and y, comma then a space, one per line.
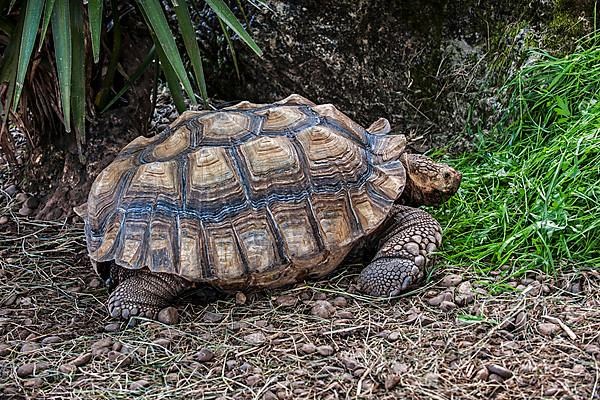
421, 64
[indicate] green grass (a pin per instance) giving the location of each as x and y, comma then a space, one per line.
530, 196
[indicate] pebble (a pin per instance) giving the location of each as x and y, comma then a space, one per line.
212, 317
168, 316
399, 368
591, 349
495, 378
350, 363
270, 396
345, 314
255, 339
286, 300
240, 298
3, 220
499, 370
30, 346
325, 350
204, 355
11, 190
437, 300
33, 383
548, 329
432, 379
139, 384
253, 380
391, 381
308, 348
482, 374
95, 283
82, 359
447, 306
323, 309
26, 370
21, 197
112, 327
393, 336
340, 301
24, 211
4, 350
163, 342
451, 280
51, 340
67, 368
32, 203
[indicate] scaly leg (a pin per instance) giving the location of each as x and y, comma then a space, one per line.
143, 293
404, 255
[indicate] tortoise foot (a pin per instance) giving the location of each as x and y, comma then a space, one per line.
389, 277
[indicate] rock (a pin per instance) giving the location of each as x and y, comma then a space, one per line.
33, 383
592, 349
112, 327
391, 381
21, 197
32, 203
495, 378
447, 306
51, 340
168, 316
26, 370
82, 359
431, 379
464, 299
323, 309
212, 317
308, 348
393, 336
344, 314
451, 280
104, 342
139, 384
350, 363
11, 190
548, 329
95, 283
4, 350
24, 211
255, 339
4, 220
437, 300
67, 368
465, 288
253, 380
482, 374
204, 355
240, 298
28, 347
163, 342
340, 301
270, 396
399, 368
499, 370
325, 350
286, 300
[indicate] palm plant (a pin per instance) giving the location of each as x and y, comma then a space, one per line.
45, 78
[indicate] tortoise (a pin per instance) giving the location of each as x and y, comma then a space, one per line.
261, 196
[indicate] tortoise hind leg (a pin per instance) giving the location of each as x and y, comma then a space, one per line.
143, 293
404, 255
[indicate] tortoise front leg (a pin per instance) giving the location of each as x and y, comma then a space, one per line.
143, 293
404, 255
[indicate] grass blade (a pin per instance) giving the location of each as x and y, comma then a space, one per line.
33, 15
172, 80
95, 15
231, 49
225, 14
191, 44
165, 42
47, 14
61, 32
78, 76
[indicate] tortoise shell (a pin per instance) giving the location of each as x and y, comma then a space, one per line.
249, 195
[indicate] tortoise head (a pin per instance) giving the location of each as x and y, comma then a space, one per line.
427, 182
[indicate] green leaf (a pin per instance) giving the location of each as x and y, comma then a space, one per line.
61, 32
231, 49
172, 80
33, 15
95, 14
78, 75
225, 14
165, 41
47, 14
191, 44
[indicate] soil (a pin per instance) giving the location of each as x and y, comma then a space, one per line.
450, 339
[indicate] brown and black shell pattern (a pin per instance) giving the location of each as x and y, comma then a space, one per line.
250, 195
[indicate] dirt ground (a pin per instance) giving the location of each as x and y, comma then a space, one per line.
449, 340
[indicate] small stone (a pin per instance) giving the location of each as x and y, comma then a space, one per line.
67, 368
499, 370
33, 383
21, 197
465, 288
51, 340
212, 317
308, 348
482, 374
168, 316
437, 300
325, 350
578, 369
29, 347
399, 368
10, 300
391, 381
95, 283
4, 350
323, 309
3, 220
32, 203
11, 190
26, 370
447, 306
162, 342
253, 380
393, 336
255, 339
24, 211
431, 379
495, 378
591, 349
548, 329
464, 299
240, 298
451, 280
230, 364
139, 384
204, 355
350, 363
270, 396
575, 287
112, 327
286, 300
340, 301
82, 359
345, 314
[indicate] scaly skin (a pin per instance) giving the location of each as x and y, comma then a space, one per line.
404, 254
